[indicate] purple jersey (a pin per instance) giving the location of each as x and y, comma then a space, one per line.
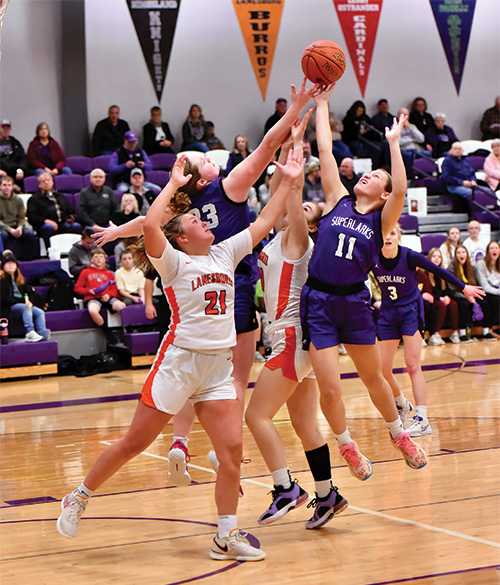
346, 245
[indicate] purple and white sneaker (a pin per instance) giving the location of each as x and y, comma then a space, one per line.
284, 500
326, 508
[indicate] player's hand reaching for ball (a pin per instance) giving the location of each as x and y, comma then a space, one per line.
294, 166
323, 94
393, 134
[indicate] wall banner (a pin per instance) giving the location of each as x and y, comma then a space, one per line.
260, 24
359, 22
454, 22
154, 22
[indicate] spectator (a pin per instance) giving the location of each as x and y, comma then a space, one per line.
449, 246
490, 122
213, 142
339, 148
488, 276
194, 131
440, 136
307, 151
129, 156
130, 280
347, 175
264, 190
421, 117
18, 299
96, 284
49, 211
279, 112
359, 135
108, 133
473, 243
97, 203
79, 256
313, 189
383, 119
143, 195
241, 150
45, 154
16, 235
129, 209
156, 134
492, 166
12, 155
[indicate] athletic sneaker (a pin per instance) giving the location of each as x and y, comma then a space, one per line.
342, 349
259, 357
284, 500
419, 427
73, 505
404, 411
178, 458
455, 337
466, 339
235, 547
214, 464
435, 339
359, 465
490, 337
33, 336
414, 455
326, 508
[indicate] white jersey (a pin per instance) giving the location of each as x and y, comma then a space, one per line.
200, 292
282, 281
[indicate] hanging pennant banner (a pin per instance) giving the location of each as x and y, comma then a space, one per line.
359, 22
260, 24
454, 22
154, 22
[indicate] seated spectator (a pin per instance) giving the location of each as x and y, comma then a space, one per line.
98, 203
280, 109
347, 175
194, 131
129, 280
339, 148
129, 156
213, 142
492, 166
12, 156
449, 246
96, 284
16, 235
264, 190
308, 155
411, 141
359, 135
122, 245
129, 209
383, 119
462, 268
18, 299
45, 154
79, 256
313, 189
488, 276
138, 187
241, 150
440, 137
108, 133
459, 177
474, 244
490, 122
421, 117
156, 134
49, 211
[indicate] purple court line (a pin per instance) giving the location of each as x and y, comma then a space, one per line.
122, 397
430, 576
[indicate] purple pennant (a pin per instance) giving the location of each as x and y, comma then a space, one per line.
454, 22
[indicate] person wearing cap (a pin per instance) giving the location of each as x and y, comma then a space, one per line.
279, 112
129, 156
108, 133
12, 155
143, 195
313, 189
16, 235
98, 203
19, 300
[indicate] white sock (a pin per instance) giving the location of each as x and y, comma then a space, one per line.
183, 440
323, 488
84, 491
344, 438
400, 401
395, 428
225, 524
421, 411
462, 332
282, 477
486, 330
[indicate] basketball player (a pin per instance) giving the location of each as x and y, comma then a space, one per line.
402, 316
335, 303
198, 281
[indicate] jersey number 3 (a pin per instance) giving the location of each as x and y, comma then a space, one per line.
212, 308
340, 248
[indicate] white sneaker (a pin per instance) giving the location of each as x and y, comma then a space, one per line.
259, 357
212, 461
33, 336
235, 547
424, 343
455, 337
342, 349
404, 411
178, 458
419, 427
73, 505
436, 339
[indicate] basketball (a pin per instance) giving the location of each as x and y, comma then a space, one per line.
323, 62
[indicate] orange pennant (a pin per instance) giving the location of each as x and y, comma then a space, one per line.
260, 24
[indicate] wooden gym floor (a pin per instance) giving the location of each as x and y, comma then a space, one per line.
439, 525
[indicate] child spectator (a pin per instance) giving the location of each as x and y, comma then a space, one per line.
474, 243
129, 280
96, 284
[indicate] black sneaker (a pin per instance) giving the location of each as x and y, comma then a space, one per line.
326, 508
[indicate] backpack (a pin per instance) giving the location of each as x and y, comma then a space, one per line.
59, 297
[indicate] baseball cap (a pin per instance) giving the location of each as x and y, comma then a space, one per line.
136, 171
5, 123
280, 100
130, 136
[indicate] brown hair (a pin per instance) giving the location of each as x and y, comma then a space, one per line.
466, 267
447, 241
18, 277
98, 251
429, 274
487, 259
7, 179
181, 201
315, 219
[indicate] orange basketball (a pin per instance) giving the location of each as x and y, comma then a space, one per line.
323, 62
